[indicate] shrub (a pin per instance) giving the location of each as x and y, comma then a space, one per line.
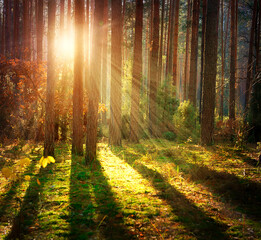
171, 136
185, 122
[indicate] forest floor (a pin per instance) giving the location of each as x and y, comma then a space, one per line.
153, 190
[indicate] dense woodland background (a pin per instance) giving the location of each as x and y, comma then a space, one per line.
150, 111
150, 68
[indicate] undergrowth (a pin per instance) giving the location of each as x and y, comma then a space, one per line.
157, 189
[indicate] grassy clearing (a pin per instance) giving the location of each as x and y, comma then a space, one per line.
153, 190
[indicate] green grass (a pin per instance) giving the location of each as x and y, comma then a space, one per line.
156, 189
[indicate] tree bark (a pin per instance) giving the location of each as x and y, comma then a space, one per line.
116, 73
175, 43
210, 71
232, 81
39, 27
169, 58
7, 10
77, 139
194, 54
2, 38
26, 31
204, 15
69, 15
186, 64
161, 41
221, 112
104, 58
95, 80
136, 74
16, 29
50, 92
154, 72
250, 59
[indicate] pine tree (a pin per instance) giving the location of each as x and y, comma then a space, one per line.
104, 58
116, 73
77, 139
39, 24
250, 58
136, 74
49, 115
16, 29
175, 43
154, 72
210, 72
194, 54
186, 63
94, 84
232, 81
26, 31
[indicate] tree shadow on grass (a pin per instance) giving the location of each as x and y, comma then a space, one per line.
93, 208
193, 219
6, 202
82, 208
112, 227
232, 152
242, 193
30, 206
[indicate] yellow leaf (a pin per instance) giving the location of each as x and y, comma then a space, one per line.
27, 178
51, 159
41, 160
7, 172
24, 162
14, 177
44, 162
38, 182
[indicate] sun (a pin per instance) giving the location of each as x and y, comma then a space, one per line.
65, 46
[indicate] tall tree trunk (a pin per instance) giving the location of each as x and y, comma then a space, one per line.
104, 58
62, 16
49, 116
77, 139
194, 54
237, 100
16, 29
232, 62
116, 73
225, 47
169, 58
186, 63
210, 72
39, 27
124, 35
175, 44
257, 33
169, 62
161, 41
153, 72
250, 59
136, 74
26, 30
69, 15
204, 15
95, 80
150, 35
256, 97
221, 109
30, 31
87, 43
7, 10
2, 39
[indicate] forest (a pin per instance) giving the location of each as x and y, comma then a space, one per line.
130, 119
